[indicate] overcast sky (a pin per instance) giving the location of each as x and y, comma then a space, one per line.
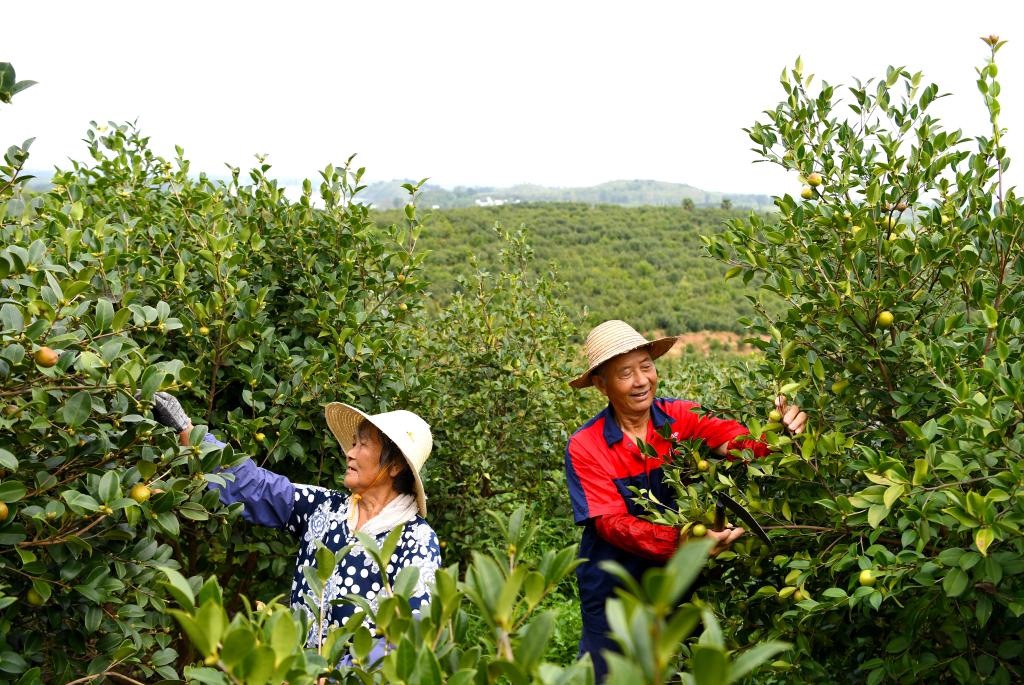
480, 93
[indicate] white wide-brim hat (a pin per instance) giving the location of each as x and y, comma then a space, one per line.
612, 338
409, 432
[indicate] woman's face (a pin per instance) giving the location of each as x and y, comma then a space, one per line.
364, 470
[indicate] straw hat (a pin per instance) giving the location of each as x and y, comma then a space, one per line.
612, 338
409, 432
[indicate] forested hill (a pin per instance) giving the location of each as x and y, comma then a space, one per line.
390, 194
641, 264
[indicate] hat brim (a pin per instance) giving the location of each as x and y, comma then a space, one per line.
657, 348
343, 420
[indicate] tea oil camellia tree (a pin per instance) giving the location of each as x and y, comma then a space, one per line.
132, 275
901, 557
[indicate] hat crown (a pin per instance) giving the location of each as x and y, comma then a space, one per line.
612, 338
409, 432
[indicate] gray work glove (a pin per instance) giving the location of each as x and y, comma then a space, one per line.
167, 411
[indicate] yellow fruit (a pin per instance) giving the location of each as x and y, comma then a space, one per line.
203, 330
140, 493
260, 437
703, 465
814, 179
34, 598
775, 415
403, 306
866, 578
698, 531
807, 192
46, 357
885, 319
4, 511
401, 278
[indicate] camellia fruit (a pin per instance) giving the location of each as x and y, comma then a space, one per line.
34, 598
698, 531
203, 330
775, 416
866, 578
840, 385
885, 319
260, 437
814, 179
140, 493
703, 465
807, 192
46, 357
4, 511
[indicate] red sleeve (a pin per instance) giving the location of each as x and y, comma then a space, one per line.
760, 449
642, 538
714, 431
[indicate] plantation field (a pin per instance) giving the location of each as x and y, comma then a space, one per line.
886, 300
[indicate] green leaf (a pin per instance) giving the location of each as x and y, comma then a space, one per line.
955, 582
179, 588
104, 314
983, 538
991, 316
709, 665
877, 514
754, 657
11, 491
77, 409
534, 640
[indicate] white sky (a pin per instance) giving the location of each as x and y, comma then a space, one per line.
480, 93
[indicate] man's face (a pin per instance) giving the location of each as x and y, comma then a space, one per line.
629, 381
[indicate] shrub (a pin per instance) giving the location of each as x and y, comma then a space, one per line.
904, 277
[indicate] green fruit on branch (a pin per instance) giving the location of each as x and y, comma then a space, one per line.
885, 319
34, 598
807, 192
866, 578
140, 493
775, 415
703, 465
699, 530
814, 179
840, 385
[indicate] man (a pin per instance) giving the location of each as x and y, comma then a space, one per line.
602, 461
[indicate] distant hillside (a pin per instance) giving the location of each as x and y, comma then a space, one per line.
642, 264
390, 194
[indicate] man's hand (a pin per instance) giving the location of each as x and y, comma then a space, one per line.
793, 419
723, 539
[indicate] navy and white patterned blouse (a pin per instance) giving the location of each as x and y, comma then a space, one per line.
311, 513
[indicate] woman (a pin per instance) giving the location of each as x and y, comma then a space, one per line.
385, 453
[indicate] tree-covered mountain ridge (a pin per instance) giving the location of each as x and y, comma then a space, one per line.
645, 265
626, 193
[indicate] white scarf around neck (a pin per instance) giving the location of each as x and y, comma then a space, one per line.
399, 510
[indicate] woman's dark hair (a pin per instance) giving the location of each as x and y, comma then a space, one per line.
390, 455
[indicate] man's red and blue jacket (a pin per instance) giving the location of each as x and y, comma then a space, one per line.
601, 465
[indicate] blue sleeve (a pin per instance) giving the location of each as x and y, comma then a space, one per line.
268, 497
